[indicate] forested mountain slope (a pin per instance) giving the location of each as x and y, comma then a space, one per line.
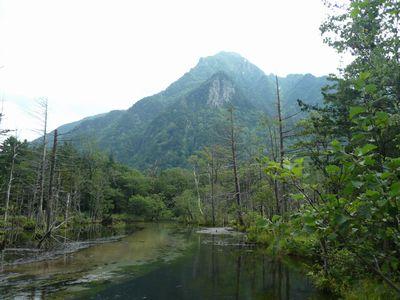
166, 128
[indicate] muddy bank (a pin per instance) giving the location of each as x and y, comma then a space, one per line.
220, 231
18, 256
23, 250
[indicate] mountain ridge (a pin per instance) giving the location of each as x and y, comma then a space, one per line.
169, 126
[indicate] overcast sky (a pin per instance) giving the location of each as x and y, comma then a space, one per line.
92, 56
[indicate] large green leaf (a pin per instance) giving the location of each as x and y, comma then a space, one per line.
367, 148
395, 189
332, 169
356, 110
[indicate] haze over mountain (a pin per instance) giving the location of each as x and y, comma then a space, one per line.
168, 127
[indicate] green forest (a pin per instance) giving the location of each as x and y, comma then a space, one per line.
323, 186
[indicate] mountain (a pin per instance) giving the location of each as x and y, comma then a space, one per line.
166, 128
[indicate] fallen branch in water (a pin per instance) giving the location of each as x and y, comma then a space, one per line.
21, 250
48, 233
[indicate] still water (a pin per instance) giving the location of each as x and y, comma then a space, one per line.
161, 261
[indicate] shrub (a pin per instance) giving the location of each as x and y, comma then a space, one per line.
148, 207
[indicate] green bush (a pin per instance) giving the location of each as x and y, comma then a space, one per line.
369, 289
187, 208
258, 230
343, 268
29, 225
148, 207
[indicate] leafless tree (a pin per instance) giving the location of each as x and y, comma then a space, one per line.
232, 138
14, 154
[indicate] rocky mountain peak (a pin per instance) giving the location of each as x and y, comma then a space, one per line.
221, 90
168, 127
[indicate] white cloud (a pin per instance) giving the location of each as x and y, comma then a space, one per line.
92, 56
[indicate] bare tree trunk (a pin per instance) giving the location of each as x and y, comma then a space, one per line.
56, 202
10, 180
196, 182
212, 187
32, 204
43, 165
281, 146
66, 216
274, 155
49, 206
235, 173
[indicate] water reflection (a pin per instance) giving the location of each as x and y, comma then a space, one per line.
161, 262
212, 270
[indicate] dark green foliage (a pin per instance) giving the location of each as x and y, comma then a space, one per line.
347, 181
148, 207
171, 183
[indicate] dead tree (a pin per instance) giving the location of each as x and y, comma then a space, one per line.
10, 179
209, 158
66, 215
43, 105
196, 182
273, 153
51, 180
232, 138
283, 134
212, 186
281, 145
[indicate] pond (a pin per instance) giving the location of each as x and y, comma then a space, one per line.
161, 261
